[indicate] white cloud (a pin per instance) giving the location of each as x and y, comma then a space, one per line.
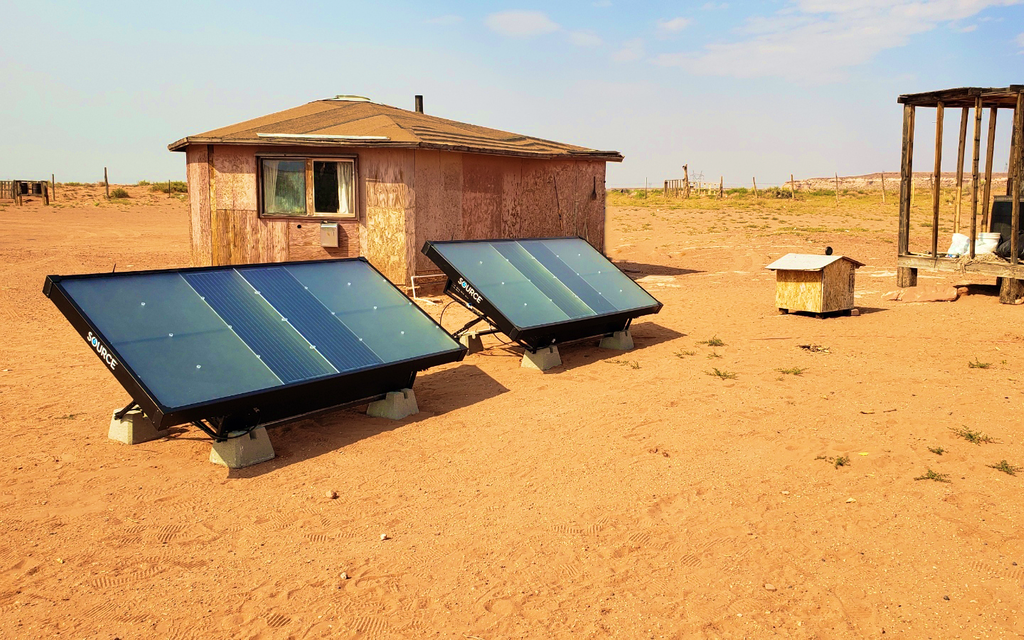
817, 40
1020, 41
969, 28
585, 38
674, 25
521, 24
631, 50
445, 20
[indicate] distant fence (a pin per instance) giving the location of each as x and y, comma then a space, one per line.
18, 189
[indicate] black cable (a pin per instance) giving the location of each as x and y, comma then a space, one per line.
441, 319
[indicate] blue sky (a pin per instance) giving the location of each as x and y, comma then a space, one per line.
739, 89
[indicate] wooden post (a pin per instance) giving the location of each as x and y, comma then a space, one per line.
986, 223
975, 177
1010, 287
883, 187
168, 188
686, 179
105, 183
792, 187
755, 186
837, 188
906, 276
664, 190
960, 169
721, 187
53, 187
937, 178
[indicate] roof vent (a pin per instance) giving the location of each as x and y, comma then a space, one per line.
341, 97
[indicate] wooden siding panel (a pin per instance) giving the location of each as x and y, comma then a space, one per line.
798, 290
838, 285
236, 177
198, 176
590, 193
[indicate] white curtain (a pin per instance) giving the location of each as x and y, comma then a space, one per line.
270, 186
346, 184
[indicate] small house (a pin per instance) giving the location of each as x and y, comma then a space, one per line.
345, 177
814, 283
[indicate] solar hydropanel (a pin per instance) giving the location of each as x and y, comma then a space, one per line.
544, 291
276, 339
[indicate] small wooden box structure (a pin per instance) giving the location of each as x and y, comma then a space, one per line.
814, 283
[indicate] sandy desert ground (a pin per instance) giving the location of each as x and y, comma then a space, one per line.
626, 495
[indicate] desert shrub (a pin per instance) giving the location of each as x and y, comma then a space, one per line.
143, 183
119, 193
177, 186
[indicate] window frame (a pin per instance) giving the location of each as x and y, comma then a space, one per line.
310, 200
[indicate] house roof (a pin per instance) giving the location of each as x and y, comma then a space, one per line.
361, 123
808, 262
965, 97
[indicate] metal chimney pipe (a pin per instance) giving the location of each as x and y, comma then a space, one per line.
419, 104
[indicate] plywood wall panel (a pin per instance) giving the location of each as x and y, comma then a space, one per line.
198, 176
590, 193
481, 197
304, 241
236, 177
438, 214
387, 180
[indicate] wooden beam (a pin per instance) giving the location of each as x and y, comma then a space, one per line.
686, 180
937, 178
960, 169
1011, 170
986, 204
975, 177
1017, 177
906, 276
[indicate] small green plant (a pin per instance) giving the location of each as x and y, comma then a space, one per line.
937, 450
794, 371
722, 375
71, 184
978, 364
119, 193
632, 364
972, 436
838, 461
177, 186
683, 354
143, 183
714, 354
713, 342
1005, 467
931, 475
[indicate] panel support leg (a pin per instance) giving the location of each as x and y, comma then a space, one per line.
541, 359
620, 341
472, 341
395, 406
245, 450
132, 427
906, 277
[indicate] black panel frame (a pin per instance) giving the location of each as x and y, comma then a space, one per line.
538, 336
273, 404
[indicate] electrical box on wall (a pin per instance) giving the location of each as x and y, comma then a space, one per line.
328, 234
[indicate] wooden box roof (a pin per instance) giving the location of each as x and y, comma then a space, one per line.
965, 96
359, 122
808, 262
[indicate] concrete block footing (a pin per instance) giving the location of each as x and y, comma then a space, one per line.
134, 428
620, 340
542, 359
472, 342
397, 405
244, 450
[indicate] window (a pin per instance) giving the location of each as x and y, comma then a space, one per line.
308, 187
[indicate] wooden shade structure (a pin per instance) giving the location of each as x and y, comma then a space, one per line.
966, 98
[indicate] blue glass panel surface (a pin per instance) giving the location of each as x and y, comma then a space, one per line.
171, 339
540, 282
597, 271
268, 333
315, 322
390, 325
